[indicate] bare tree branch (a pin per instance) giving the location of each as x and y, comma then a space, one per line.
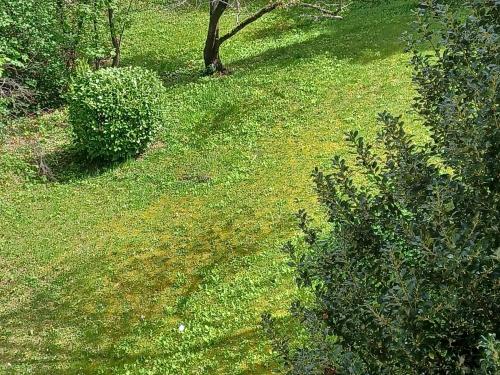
17, 96
249, 20
213, 42
326, 13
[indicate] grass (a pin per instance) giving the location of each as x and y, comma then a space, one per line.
100, 266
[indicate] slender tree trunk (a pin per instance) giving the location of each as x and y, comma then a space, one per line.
97, 60
69, 46
211, 52
71, 40
212, 43
73, 51
115, 38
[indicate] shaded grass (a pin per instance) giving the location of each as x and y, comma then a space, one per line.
100, 267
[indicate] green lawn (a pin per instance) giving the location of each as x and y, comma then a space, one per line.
99, 268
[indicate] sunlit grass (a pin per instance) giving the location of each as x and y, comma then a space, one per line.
100, 267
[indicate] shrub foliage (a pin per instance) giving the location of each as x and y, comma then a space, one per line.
406, 279
114, 112
41, 42
32, 65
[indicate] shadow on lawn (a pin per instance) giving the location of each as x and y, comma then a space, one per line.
79, 320
360, 38
92, 360
67, 164
172, 71
75, 321
374, 40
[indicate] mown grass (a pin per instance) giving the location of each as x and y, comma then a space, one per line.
100, 266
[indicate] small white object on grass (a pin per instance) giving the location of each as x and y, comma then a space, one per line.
182, 327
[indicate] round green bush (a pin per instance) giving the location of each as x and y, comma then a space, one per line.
115, 112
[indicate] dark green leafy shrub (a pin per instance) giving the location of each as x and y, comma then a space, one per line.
115, 112
42, 41
406, 281
32, 62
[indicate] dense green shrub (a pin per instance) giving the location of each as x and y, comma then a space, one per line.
406, 281
41, 42
32, 63
114, 112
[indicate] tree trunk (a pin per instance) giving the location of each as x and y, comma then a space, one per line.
213, 42
211, 53
115, 38
211, 56
116, 57
97, 60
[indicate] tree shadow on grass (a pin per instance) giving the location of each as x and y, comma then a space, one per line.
361, 42
98, 360
68, 164
172, 72
361, 38
76, 321
71, 303
49, 160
